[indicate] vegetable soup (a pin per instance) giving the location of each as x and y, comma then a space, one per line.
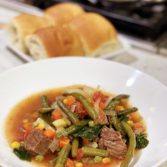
76, 126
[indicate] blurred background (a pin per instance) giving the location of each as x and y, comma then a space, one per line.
141, 19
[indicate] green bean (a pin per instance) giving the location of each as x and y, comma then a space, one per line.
72, 129
90, 151
75, 145
127, 111
63, 155
115, 101
44, 101
67, 131
45, 106
132, 144
112, 104
45, 109
87, 105
113, 120
121, 96
73, 118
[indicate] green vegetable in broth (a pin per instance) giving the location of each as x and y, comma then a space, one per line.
141, 141
88, 132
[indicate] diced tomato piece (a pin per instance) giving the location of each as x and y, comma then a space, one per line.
104, 98
20, 136
70, 163
98, 95
80, 110
80, 154
102, 105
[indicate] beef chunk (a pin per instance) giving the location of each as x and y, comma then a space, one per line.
113, 142
102, 118
37, 142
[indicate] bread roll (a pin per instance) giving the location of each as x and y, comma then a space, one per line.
23, 25
87, 35
97, 34
63, 13
54, 41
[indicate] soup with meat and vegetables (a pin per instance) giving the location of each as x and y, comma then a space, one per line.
76, 126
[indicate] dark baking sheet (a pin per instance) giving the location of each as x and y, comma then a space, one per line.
147, 21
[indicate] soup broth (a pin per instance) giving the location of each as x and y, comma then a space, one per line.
22, 120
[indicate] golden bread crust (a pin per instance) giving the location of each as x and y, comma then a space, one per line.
63, 13
57, 41
94, 30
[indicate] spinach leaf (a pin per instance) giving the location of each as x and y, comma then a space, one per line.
141, 141
88, 132
22, 153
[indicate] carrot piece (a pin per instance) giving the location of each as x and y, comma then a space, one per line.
64, 141
49, 133
70, 163
135, 117
56, 115
69, 100
137, 125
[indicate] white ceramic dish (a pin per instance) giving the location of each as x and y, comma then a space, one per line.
147, 94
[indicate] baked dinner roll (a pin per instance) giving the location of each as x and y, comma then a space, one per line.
63, 13
52, 42
86, 35
97, 34
23, 25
